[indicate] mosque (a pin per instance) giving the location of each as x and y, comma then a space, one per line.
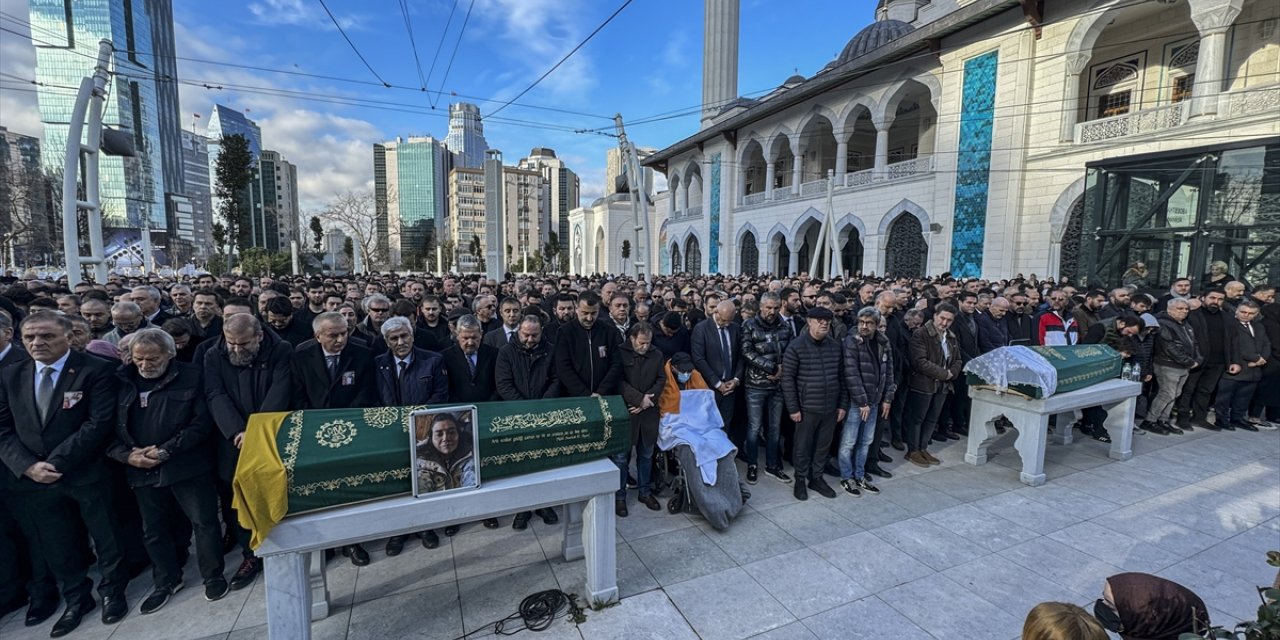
985, 138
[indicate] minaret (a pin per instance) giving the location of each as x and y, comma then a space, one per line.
719, 56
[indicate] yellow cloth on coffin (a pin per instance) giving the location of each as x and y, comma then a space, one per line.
260, 488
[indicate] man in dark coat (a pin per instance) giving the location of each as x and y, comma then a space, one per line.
764, 340
955, 411
1209, 324
868, 370
1021, 321
993, 331
717, 353
586, 352
471, 367
525, 372
433, 325
506, 331
409, 376
1248, 348
162, 437
247, 371
935, 363
813, 388
287, 322
57, 414
671, 336
332, 373
643, 380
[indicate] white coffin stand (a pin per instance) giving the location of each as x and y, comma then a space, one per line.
1031, 419
293, 553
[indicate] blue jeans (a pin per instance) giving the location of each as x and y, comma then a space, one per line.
758, 401
856, 437
644, 470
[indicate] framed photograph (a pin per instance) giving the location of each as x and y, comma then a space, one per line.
444, 450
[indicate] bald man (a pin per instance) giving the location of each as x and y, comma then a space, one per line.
717, 355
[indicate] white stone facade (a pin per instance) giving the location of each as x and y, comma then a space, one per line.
889, 133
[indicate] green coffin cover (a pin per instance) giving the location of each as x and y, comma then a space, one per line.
343, 456
1078, 366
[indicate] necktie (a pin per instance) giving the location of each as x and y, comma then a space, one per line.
511, 336
400, 379
1249, 326
331, 363
727, 353
44, 393
471, 364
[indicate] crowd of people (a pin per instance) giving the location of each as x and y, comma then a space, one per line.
123, 405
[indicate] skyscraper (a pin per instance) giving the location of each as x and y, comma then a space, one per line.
410, 199
276, 219
225, 121
26, 203
522, 192
195, 159
66, 35
564, 192
466, 136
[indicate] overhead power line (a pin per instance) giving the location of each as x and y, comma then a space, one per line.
440, 46
562, 60
408, 27
353, 45
457, 44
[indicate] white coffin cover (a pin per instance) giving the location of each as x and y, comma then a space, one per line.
1014, 365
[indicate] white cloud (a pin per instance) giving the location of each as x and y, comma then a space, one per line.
301, 13
537, 33
333, 153
19, 110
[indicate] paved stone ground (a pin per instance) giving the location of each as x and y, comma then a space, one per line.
952, 552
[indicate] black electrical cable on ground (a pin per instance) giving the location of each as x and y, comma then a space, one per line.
537, 612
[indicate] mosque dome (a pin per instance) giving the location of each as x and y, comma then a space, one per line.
793, 80
873, 36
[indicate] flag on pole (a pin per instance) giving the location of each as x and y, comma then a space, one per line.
195, 115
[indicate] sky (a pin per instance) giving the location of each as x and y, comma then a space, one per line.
645, 62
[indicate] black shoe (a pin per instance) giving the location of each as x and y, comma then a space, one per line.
620, 508
938, 437
752, 474
884, 458
491, 523
1247, 426
1228, 427
879, 472
778, 475
800, 492
521, 521
359, 557
866, 485
71, 617
830, 469
822, 488
114, 609
1101, 436
952, 435
1171, 429
451, 530
216, 589
395, 545
631, 482
898, 445
652, 502
548, 515
851, 488
1203, 424
246, 574
40, 610
962, 432
158, 598
429, 539
1156, 428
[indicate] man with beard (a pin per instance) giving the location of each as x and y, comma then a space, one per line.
206, 312
586, 352
562, 312
1117, 304
791, 312
672, 337
247, 372
525, 371
98, 313
1209, 325
286, 322
434, 328
1021, 321
1090, 311
409, 376
1179, 290
162, 438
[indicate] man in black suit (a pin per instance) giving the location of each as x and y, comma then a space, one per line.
470, 366
331, 373
717, 355
10, 353
148, 300
162, 439
57, 413
246, 371
506, 333
409, 376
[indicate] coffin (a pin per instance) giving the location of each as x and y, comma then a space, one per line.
302, 461
1039, 372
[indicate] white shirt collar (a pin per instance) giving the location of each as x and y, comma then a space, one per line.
58, 365
408, 360
330, 355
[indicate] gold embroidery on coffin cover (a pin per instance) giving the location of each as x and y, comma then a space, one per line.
583, 447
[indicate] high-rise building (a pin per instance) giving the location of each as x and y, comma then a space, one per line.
564, 188
225, 121
411, 199
522, 224
195, 158
276, 213
613, 170
67, 32
27, 210
466, 136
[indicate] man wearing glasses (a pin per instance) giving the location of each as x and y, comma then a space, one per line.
1057, 326
377, 308
1020, 320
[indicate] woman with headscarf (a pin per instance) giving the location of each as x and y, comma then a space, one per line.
1140, 606
444, 456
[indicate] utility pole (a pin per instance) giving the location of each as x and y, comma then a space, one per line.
639, 199
89, 101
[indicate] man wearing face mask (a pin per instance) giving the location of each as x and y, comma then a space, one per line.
162, 437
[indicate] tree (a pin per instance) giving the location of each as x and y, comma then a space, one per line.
348, 250
355, 214
317, 234
234, 171
551, 251
447, 255
474, 248
257, 261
